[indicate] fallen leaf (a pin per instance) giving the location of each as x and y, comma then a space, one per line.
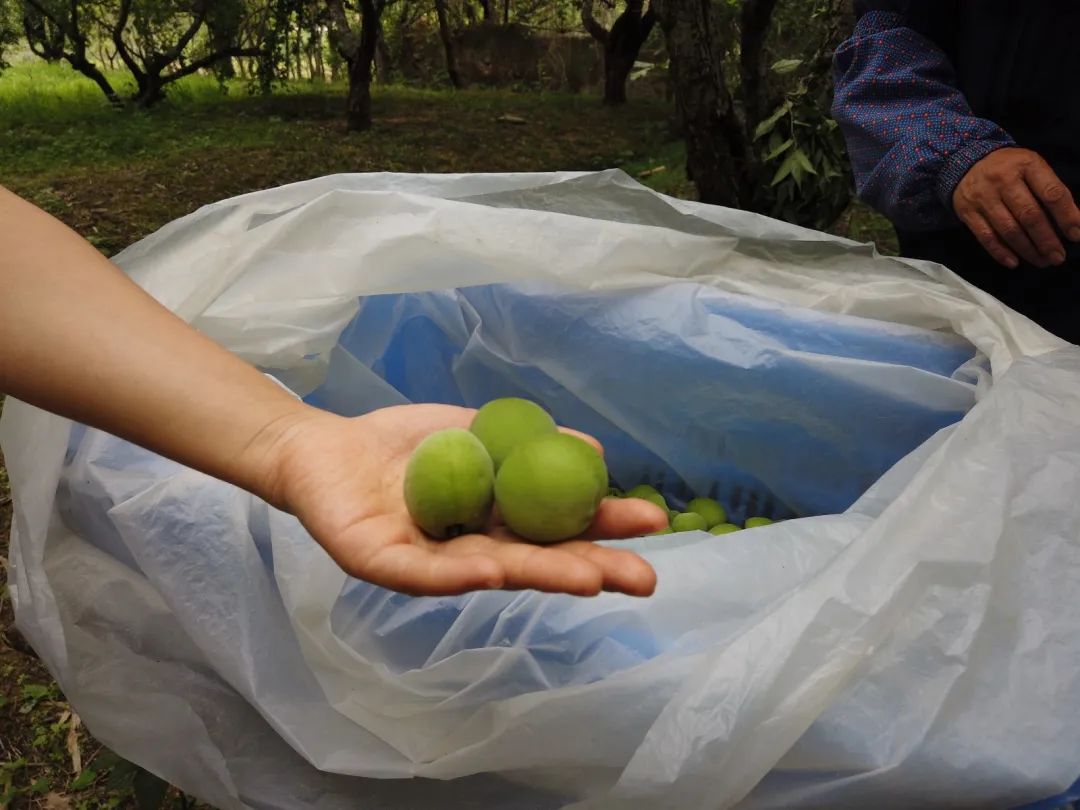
54, 801
511, 119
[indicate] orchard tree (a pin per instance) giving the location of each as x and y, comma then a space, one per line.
356, 42
447, 37
155, 40
752, 84
622, 44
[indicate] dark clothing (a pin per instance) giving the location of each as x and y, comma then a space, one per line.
927, 89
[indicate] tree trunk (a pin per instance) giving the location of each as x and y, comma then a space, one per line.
616, 75
317, 40
358, 51
358, 109
221, 38
90, 71
716, 143
756, 19
621, 48
151, 91
297, 52
506, 12
447, 37
384, 61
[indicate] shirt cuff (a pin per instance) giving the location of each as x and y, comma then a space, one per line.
960, 162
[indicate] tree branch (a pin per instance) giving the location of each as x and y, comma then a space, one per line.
121, 46
172, 55
592, 25
370, 15
44, 12
206, 61
343, 37
41, 54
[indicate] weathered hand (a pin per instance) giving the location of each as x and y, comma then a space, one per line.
1009, 200
343, 479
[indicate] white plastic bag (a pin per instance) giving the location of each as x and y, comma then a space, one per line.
918, 647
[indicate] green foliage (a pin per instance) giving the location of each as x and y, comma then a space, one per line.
805, 159
9, 29
84, 780
32, 694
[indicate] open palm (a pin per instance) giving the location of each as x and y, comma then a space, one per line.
343, 479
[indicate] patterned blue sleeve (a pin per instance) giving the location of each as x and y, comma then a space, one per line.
910, 132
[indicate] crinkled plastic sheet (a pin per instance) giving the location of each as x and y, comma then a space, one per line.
912, 639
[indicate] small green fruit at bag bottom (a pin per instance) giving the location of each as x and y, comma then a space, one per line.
646, 493
450, 484
709, 509
757, 522
688, 522
548, 488
505, 423
724, 528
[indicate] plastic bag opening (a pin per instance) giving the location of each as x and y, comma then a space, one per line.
774, 410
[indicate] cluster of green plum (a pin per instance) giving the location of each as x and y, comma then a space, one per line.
546, 485
701, 514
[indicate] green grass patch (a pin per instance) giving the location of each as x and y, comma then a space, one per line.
116, 175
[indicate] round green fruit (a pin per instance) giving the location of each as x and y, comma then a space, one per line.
548, 488
503, 424
646, 493
665, 530
757, 522
688, 522
724, 528
449, 484
709, 509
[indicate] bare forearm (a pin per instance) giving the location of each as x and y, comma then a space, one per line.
80, 339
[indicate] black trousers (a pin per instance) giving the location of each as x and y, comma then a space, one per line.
1049, 296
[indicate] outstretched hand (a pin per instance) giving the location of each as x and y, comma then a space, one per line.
150, 378
343, 479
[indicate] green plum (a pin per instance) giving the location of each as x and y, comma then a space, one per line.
757, 522
688, 522
647, 493
503, 424
548, 489
724, 528
449, 484
709, 509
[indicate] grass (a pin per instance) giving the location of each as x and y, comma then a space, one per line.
115, 176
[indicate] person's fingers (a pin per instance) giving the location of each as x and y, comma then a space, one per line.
388, 551
584, 437
419, 571
989, 239
1026, 210
1012, 232
1055, 195
627, 517
546, 568
624, 571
